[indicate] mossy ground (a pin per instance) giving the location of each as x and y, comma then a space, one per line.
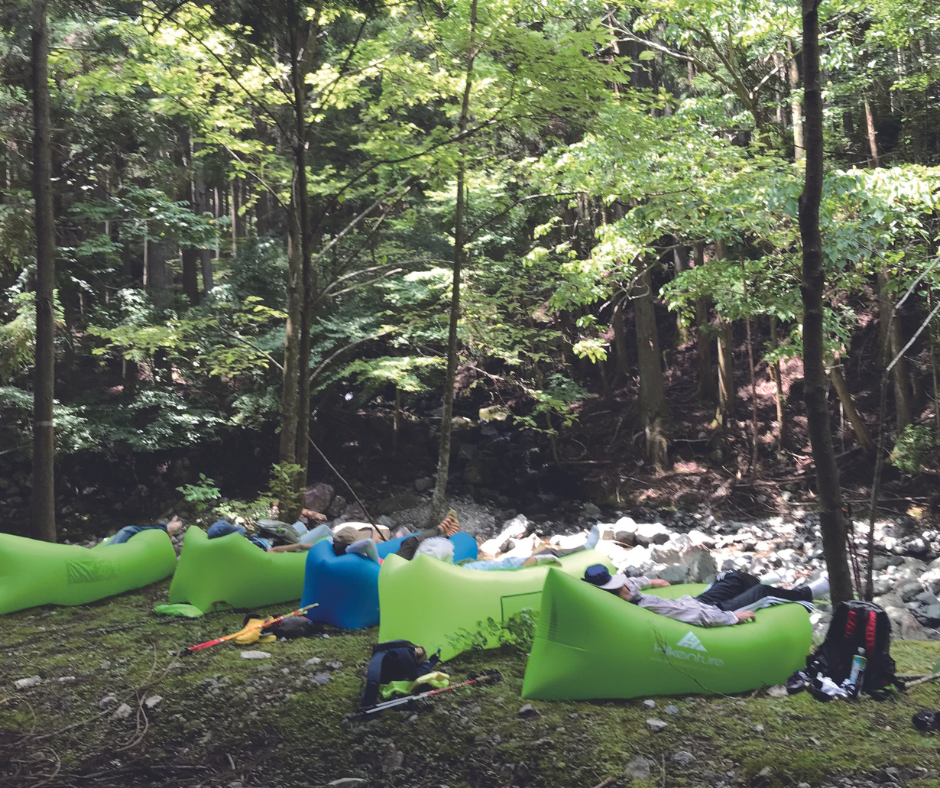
227, 720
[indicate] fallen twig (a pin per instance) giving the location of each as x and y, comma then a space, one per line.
922, 680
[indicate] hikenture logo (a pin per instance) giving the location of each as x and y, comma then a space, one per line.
690, 641
688, 656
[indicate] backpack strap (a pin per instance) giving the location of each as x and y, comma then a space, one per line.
871, 629
850, 623
373, 676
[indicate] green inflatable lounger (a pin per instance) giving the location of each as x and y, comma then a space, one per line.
442, 606
43, 573
215, 574
590, 644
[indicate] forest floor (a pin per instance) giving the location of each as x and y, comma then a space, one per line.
223, 721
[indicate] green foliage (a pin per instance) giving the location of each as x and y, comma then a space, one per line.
286, 486
517, 631
201, 495
916, 448
18, 338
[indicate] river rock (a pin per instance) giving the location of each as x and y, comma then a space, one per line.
904, 626
638, 769
652, 533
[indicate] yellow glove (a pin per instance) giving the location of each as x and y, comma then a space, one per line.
251, 633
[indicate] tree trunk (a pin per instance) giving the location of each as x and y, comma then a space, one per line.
190, 258
829, 488
796, 108
889, 328
42, 499
438, 503
872, 136
620, 337
680, 256
726, 390
155, 274
234, 218
706, 379
725, 371
858, 426
783, 430
652, 405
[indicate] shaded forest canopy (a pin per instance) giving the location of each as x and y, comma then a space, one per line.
277, 220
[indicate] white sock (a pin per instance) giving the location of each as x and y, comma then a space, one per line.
593, 538
771, 578
820, 586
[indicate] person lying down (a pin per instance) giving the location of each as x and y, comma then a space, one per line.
436, 543
731, 599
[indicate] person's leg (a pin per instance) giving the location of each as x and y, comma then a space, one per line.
364, 548
447, 528
751, 598
316, 534
728, 586
509, 562
127, 532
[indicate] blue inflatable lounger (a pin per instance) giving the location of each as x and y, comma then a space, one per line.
33, 572
590, 644
346, 587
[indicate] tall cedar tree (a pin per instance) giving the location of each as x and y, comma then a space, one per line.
829, 490
43, 492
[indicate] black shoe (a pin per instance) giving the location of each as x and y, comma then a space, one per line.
927, 720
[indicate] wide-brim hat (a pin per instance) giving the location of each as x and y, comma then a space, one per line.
598, 575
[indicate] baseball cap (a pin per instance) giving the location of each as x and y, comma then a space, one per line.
598, 575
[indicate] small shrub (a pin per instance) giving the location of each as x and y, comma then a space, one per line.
916, 447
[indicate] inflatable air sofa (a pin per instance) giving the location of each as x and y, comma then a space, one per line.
43, 573
346, 586
232, 572
590, 644
442, 606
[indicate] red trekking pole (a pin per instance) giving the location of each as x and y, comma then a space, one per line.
262, 625
489, 676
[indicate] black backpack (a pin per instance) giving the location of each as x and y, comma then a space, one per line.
278, 532
395, 660
855, 625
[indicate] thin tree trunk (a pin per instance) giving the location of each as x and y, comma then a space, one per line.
796, 107
890, 336
233, 214
201, 207
848, 405
725, 370
42, 498
706, 379
620, 336
653, 409
829, 487
726, 390
155, 273
783, 430
447, 405
872, 136
680, 256
287, 452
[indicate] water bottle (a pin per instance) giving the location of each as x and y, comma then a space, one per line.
857, 671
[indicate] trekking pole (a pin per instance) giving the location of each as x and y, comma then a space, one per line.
389, 704
262, 625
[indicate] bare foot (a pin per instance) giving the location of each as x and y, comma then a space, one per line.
449, 526
174, 526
